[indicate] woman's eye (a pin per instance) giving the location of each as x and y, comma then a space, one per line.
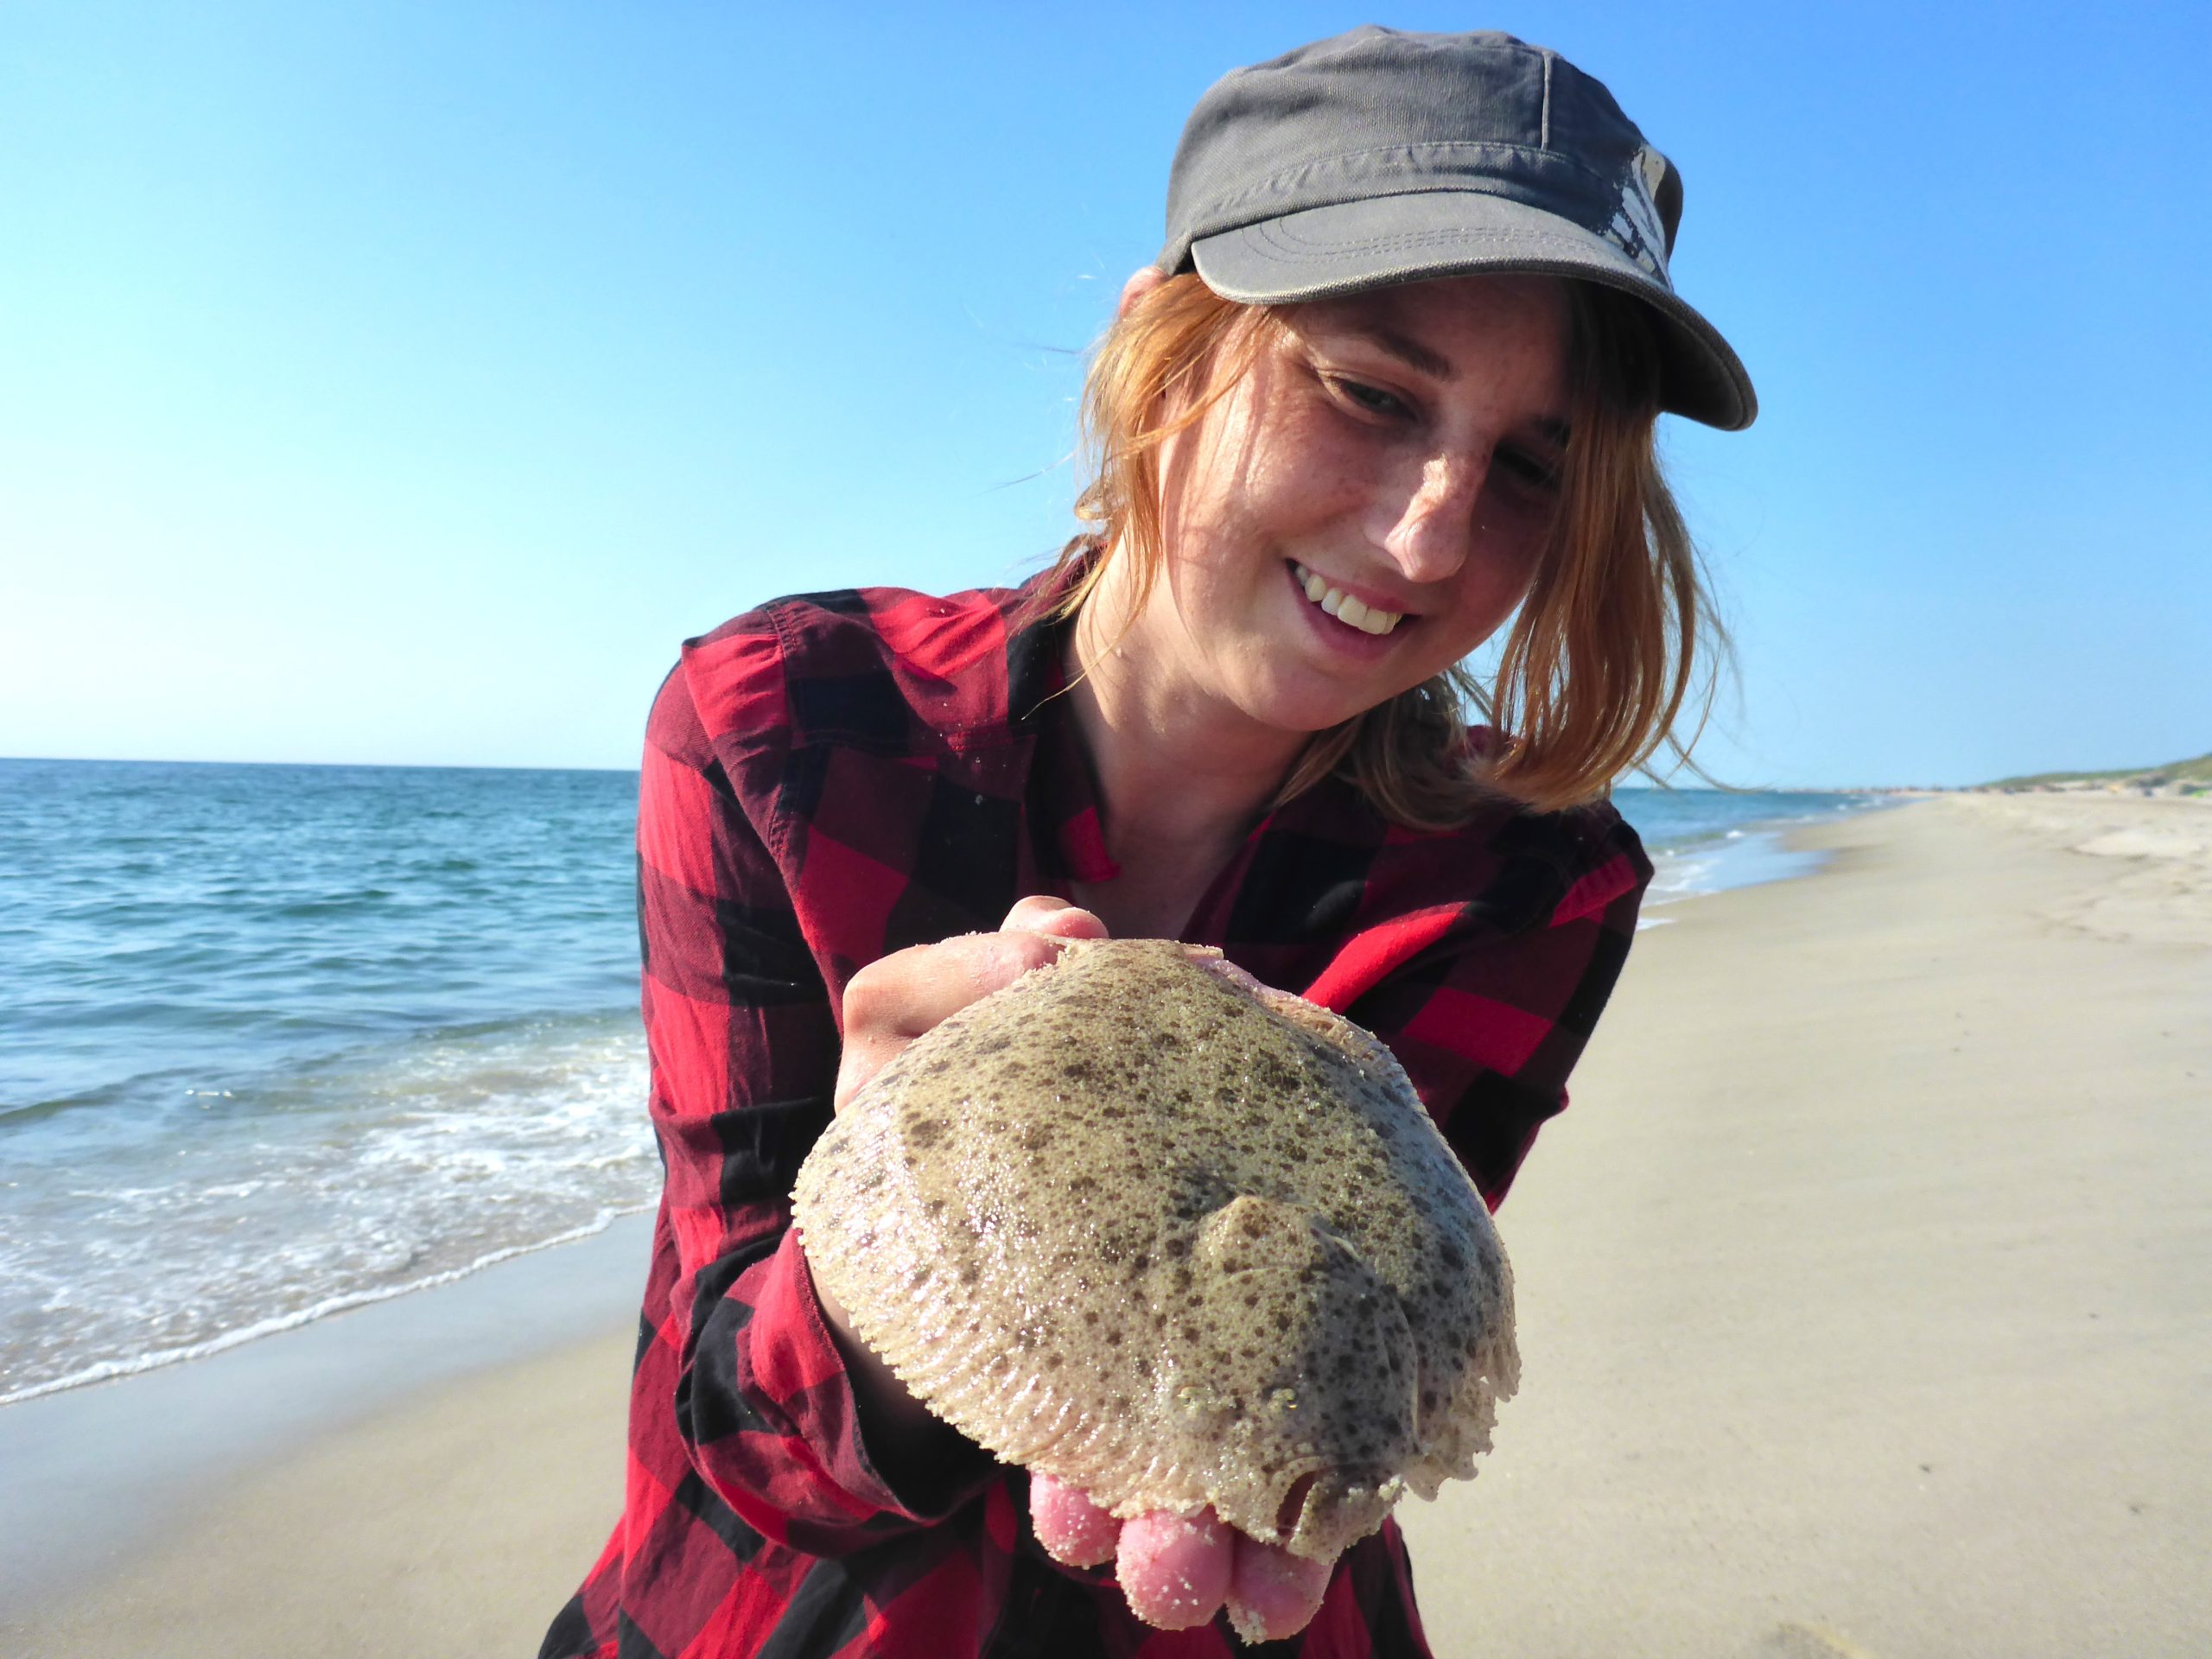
1373, 399
1531, 471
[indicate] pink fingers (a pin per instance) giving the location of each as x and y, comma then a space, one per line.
1074, 1531
1274, 1593
1178, 1571
1175, 1569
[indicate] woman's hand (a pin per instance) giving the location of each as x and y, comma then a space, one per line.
896, 998
887, 1005
1177, 1572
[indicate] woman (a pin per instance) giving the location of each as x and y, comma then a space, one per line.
1392, 383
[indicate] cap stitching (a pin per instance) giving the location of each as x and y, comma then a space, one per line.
1268, 186
1545, 125
1268, 234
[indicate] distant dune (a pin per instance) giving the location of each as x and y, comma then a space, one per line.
2175, 777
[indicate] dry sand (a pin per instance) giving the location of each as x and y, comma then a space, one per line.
1863, 1297
1865, 1289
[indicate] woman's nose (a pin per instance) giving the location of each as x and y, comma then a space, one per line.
1434, 528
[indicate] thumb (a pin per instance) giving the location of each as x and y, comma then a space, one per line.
1057, 918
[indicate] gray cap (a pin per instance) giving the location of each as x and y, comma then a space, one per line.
1377, 157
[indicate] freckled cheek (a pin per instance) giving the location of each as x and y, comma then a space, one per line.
1518, 574
1309, 496
1511, 545
1491, 587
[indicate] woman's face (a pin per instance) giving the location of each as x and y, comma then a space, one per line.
1391, 458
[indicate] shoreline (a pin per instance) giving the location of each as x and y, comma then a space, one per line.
1727, 857
1710, 861
1885, 1168
118, 1371
111, 1466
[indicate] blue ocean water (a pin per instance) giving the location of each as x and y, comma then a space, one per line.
277, 1040
1704, 840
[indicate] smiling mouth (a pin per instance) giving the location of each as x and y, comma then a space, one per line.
1341, 605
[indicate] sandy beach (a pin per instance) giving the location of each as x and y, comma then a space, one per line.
1863, 1296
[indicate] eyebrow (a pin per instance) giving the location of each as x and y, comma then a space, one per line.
1411, 352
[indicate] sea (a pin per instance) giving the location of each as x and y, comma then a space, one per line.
280, 1040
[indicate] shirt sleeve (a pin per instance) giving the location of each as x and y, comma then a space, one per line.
1487, 1006
743, 1047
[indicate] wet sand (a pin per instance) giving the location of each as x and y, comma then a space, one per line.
427, 1475
1862, 1293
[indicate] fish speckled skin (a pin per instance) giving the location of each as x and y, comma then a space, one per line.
1176, 1239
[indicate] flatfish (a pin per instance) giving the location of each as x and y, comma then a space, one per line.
1177, 1239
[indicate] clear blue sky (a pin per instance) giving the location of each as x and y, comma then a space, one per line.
403, 382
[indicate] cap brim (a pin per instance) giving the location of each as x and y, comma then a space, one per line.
1326, 251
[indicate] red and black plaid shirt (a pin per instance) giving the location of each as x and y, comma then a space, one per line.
833, 778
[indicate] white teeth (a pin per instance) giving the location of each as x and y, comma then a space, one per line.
1342, 606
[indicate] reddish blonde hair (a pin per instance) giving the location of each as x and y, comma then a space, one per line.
1604, 653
